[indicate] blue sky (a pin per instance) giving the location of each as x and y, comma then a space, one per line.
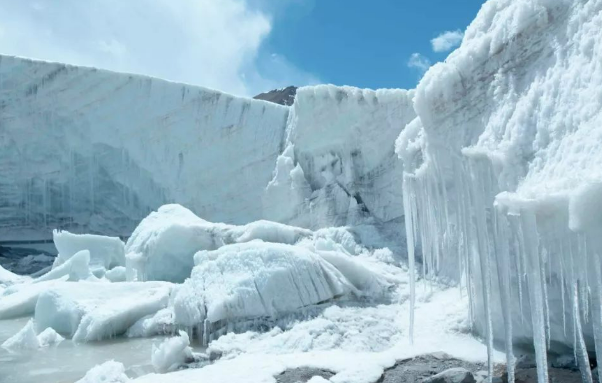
366, 43
241, 46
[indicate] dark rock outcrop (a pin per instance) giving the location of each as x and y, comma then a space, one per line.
284, 96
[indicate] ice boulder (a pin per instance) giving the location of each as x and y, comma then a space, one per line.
164, 243
20, 300
255, 280
172, 353
106, 252
94, 311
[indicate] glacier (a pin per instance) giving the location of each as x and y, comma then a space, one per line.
262, 229
110, 148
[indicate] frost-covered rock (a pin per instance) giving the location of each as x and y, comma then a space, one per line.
104, 251
108, 372
172, 353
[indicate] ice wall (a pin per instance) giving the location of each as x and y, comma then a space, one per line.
339, 167
88, 150
93, 150
502, 173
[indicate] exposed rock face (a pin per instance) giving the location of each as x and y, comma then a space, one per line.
284, 96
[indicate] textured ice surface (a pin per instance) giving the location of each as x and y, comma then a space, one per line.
76, 268
502, 173
91, 311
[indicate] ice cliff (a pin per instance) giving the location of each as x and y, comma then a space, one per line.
502, 174
88, 150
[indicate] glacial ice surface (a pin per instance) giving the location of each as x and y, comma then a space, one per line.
502, 174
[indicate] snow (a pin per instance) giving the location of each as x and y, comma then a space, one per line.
7, 278
108, 372
171, 353
501, 174
107, 252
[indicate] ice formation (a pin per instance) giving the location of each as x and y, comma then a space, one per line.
106, 252
172, 353
85, 313
501, 174
28, 338
104, 160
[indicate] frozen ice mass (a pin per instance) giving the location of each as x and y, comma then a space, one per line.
202, 237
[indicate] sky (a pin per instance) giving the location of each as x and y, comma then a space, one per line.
242, 47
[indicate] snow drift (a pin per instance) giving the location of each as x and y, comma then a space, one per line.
502, 173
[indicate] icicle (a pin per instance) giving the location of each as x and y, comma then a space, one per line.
597, 308
531, 251
409, 224
580, 350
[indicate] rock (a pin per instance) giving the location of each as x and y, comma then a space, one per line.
556, 375
565, 361
452, 375
284, 96
303, 375
525, 361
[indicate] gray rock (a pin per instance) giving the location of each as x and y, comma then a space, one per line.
452, 375
284, 96
302, 375
525, 361
566, 361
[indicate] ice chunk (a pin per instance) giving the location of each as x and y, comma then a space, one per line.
49, 337
20, 300
107, 252
26, 338
255, 279
108, 372
171, 353
164, 243
95, 311
161, 323
116, 274
75, 267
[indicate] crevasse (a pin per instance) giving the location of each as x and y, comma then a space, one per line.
502, 175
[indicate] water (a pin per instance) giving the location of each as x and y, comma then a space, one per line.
68, 362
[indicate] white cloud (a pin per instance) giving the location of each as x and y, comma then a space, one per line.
204, 42
447, 41
419, 62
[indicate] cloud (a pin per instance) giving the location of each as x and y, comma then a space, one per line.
211, 43
447, 41
420, 62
